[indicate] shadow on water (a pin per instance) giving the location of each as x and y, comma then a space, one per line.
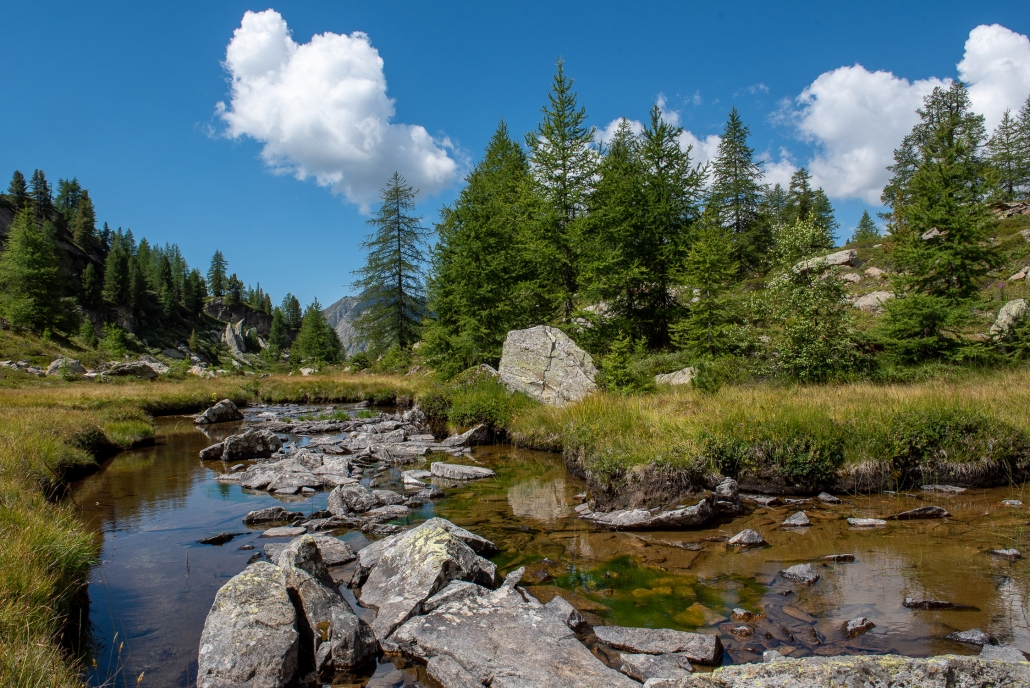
154, 584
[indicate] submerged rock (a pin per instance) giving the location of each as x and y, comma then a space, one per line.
802, 573
1010, 553
798, 519
948, 489
857, 627
839, 557
866, 522
828, 498
543, 363
921, 512
250, 636
917, 603
973, 636
223, 412
453, 471
641, 519
697, 647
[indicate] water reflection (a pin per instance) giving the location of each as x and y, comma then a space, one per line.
155, 584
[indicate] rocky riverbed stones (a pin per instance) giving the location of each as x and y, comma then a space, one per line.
283, 531
827, 498
921, 513
936, 605
542, 362
1011, 554
866, 522
477, 435
697, 647
273, 514
223, 412
856, 627
453, 471
747, 538
253, 443
802, 573
643, 667
973, 636
799, 519
946, 489
250, 636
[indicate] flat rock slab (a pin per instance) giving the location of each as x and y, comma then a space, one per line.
839, 557
507, 642
1011, 502
697, 647
453, 471
273, 514
917, 603
250, 636
747, 538
974, 636
1001, 653
642, 519
866, 522
947, 489
643, 667
921, 512
284, 531
802, 573
856, 671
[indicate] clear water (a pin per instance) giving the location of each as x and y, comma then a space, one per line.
152, 590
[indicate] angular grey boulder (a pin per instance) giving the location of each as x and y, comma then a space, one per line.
567, 613
543, 363
212, 453
453, 471
643, 667
747, 538
827, 498
1011, 313
845, 257
65, 366
697, 647
858, 626
798, 519
477, 435
273, 514
253, 443
802, 573
250, 636
223, 412
356, 497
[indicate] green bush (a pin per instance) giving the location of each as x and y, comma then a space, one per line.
472, 397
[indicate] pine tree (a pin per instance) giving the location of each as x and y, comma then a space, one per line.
138, 297
116, 273
88, 334
69, 195
92, 288
737, 193
478, 287
41, 194
30, 274
106, 239
392, 281
291, 312
18, 190
317, 341
866, 230
84, 224
806, 203
233, 290
1008, 157
278, 336
266, 304
1023, 149
216, 275
708, 272
938, 225
194, 292
774, 206
563, 164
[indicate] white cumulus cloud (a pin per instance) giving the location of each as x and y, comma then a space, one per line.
702, 150
996, 65
321, 110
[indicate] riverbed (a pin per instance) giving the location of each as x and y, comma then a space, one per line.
152, 589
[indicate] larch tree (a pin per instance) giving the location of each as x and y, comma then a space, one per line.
317, 341
216, 275
30, 274
1007, 152
866, 230
41, 194
736, 193
84, 223
392, 281
18, 190
563, 164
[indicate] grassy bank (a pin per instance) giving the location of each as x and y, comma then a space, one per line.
52, 430
974, 430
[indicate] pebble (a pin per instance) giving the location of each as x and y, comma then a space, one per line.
1011, 553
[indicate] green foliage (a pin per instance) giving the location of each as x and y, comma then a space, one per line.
291, 312
394, 360
804, 203
115, 342
88, 334
116, 274
866, 231
921, 327
391, 282
797, 240
18, 190
30, 274
736, 194
1009, 154
618, 374
83, 223
216, 275
563, 163
816, 340
317, 341
278, 335
479, 287
41, 194
472, 397
708, 273
194, 291
91, 294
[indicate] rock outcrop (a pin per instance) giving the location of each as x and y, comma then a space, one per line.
680, 377
543, 363
845, 257
1011, 313
223, 412
65, 367
253, 443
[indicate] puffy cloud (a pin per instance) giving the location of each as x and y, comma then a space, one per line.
321, 110
996, 65
701, 150
856, 118
778, 171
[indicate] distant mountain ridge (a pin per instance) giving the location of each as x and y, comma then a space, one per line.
340, 316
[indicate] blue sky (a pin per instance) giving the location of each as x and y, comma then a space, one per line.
125, 97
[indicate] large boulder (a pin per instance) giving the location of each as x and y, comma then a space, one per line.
223, 412
337, 639
1011, 313
845, 257
137, 369
409, 569
680, 377
250, 636
251, 444
65, 367
543, 363
503, 640
873, 301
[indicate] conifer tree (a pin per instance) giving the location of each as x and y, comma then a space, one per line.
233, 290
194, 292
30, 274
18, 190
41, 194
216, 275
84, 223
92, 288
266, 304
564, 162
88, 333
478, 288
774, 206
938, 224
737, 192
116, 274
317, 341
392, 281
866, 230
805, 203
292, 314
278, 335
708, 272
69, 195
138, 297
1008, 156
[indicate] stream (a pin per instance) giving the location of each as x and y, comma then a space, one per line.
151, 591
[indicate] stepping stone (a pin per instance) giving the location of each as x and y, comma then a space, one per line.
839, 557
697, 647
283, 531
921, 512
973, 636
828, 498
916, 603
947, 489
798, 519
747, 538
802, 573
453, 471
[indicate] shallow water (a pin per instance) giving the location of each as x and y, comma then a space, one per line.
155, 584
